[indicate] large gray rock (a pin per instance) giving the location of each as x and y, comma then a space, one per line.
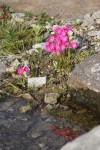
86, 78
89, 141
87, 74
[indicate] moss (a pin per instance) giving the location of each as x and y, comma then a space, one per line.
9, 89
1, 97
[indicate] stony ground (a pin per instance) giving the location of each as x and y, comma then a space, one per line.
65, 9
32, 131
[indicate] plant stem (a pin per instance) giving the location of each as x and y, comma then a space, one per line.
69, 55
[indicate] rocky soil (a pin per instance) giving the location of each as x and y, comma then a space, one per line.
69, 10
22, 125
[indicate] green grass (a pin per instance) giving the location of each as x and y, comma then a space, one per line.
18, 37
9, 89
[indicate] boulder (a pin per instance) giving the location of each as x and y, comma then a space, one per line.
88, 141
86, 78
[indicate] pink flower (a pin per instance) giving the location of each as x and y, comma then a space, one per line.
57, 30
47, 43
63, 33
56, 53
58, 47
62, 47
68, 28
57, 39
64, 39
48, 49
26, 68
20, 71
67, 45
74, 45
52, 38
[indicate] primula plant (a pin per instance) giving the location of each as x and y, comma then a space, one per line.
62, 48
23, 70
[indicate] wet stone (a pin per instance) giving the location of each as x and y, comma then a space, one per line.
35, 135
5, 105
27, 131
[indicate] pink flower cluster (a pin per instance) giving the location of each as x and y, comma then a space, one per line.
21, 70
60, 41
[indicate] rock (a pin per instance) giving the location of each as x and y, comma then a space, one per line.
88, 21
70, 33
10, 70
83, 48
24, 109
98, 38
26, 63
35, 26
93, 33
97, 49
13, 66
15, 63
87, 16
46, 35
32, 51
79, 21
49, 107
27, 96
81, 33
2, 66
54, 26
98, 21
86, 78
39, 45
48, 26
12, 57
51, 98
96, 15
36, 135
92, 28
18, 17
89, 141
87, 74
36, 82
